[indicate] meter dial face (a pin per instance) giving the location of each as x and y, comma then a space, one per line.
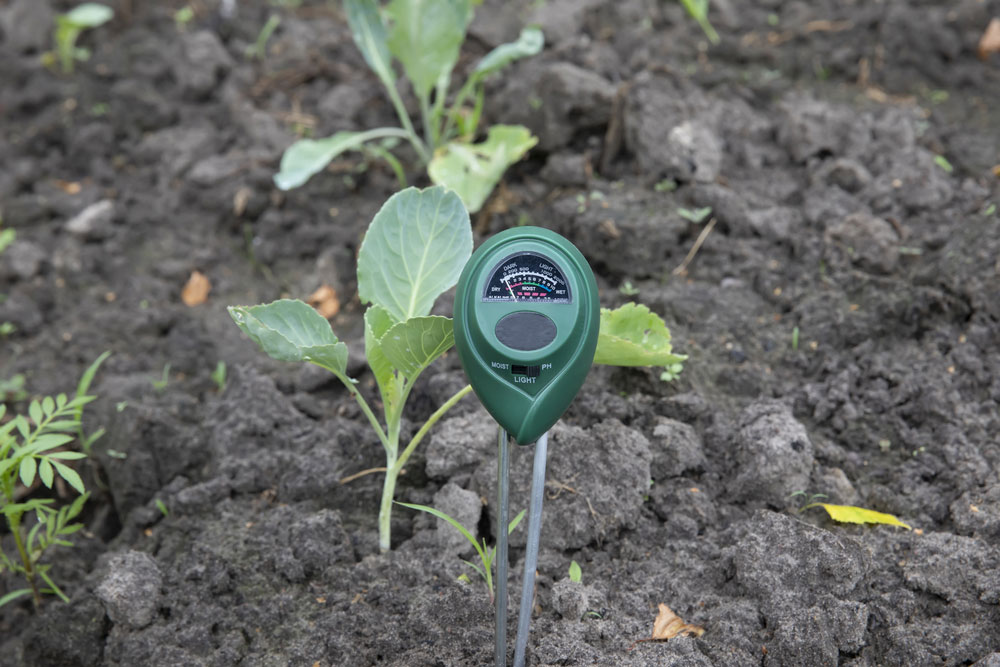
527, 277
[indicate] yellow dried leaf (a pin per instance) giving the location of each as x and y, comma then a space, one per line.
325, 301
69, 187
851, 514
196, 290
669, 625
989, 43
240, 201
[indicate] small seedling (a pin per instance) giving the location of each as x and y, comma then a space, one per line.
486, 554
7, 237
30, 449
812, 499
428, 231
161, 384
666, 185
628, 289
182, 17
698, 9
583, 200
696, 215
942, 162
258, 49
795, 338
219, 376
162, 506
885, 444
671, 372
6, 329
401, 336
989, 209
426, 37
68, 29
938, 96
575, 573
12, 389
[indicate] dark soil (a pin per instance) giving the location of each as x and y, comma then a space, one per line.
812, 131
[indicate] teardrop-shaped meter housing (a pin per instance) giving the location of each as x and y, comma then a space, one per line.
526, 322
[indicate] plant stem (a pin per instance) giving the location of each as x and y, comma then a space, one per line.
380, 132
456, 107
425, 116
385, 508
393, 468
440, 97
404, 119
66, 36
394, 465
394, 164
14, 521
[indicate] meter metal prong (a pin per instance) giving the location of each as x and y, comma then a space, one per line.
526, 323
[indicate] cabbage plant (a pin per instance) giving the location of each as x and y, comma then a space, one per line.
415, 249
425, 37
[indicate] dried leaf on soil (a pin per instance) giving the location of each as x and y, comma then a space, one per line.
325, 300
851, 514
196, 290
989, 43
69, 187
669, 625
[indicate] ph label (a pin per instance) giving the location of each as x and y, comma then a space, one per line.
546, 367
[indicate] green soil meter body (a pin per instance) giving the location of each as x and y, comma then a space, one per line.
526, 323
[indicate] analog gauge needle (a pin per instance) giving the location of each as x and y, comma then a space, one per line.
510, 289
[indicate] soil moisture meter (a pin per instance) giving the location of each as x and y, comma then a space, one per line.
526, 323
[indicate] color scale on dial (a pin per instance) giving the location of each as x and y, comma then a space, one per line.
527, 277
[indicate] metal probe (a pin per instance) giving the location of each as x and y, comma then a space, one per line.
531, 554
503, 460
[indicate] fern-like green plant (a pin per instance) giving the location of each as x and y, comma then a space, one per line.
32, 448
